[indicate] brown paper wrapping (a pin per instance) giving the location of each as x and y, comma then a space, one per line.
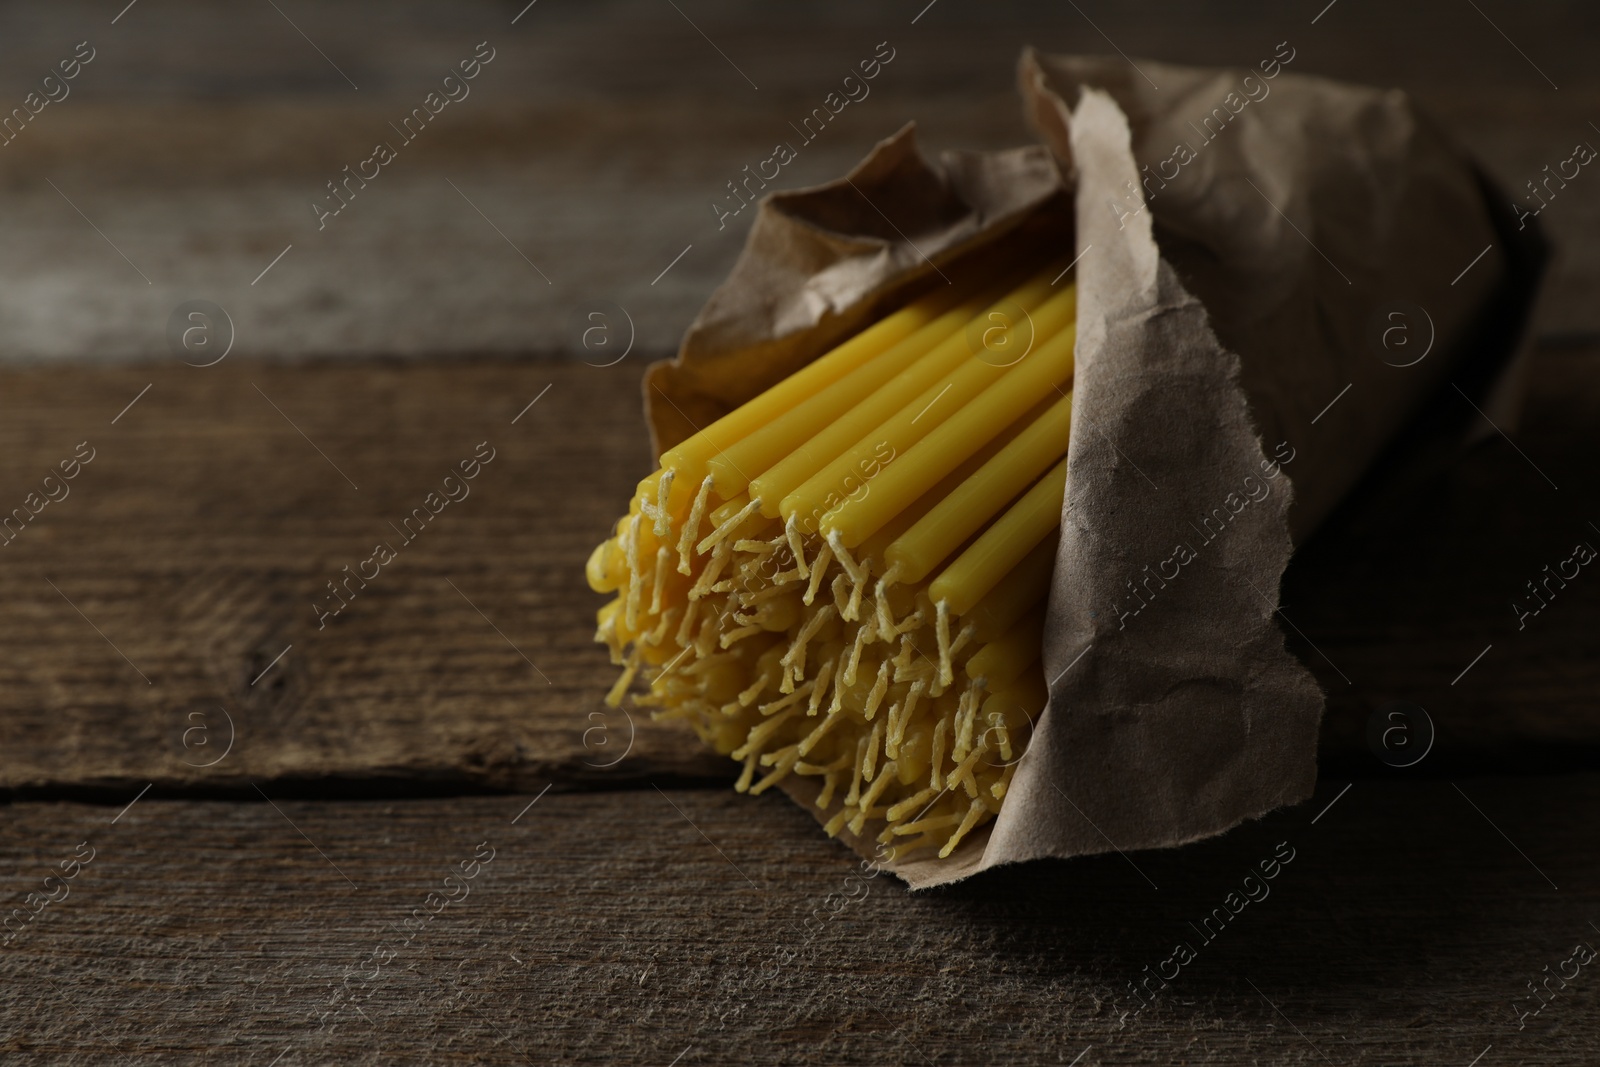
1221, 312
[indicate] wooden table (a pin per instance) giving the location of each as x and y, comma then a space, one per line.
269, 795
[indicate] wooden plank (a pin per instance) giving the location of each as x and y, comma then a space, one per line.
593, 145
191, 558
198, 540
641, 926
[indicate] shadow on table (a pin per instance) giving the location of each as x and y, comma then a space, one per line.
1396, 892
1446, 592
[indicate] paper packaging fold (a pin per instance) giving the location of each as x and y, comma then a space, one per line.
1233, 383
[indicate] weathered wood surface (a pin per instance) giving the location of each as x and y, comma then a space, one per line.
636, 927
594, 143
200, 540
640, 926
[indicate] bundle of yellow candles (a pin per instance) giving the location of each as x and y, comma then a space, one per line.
844, 579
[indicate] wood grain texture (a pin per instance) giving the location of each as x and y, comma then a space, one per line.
637, 927
678, 926
593, 146
199, 542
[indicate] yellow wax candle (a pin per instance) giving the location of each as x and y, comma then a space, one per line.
872, 549
847, 428
1003, 545
606, 569
848, 478
724, 512
965, 509
732, 509
908, 707
998, 662
690, 457
1018, 704
1026, 585
646, 489
948, 443
794, 429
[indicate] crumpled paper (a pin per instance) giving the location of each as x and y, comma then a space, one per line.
1238, 371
